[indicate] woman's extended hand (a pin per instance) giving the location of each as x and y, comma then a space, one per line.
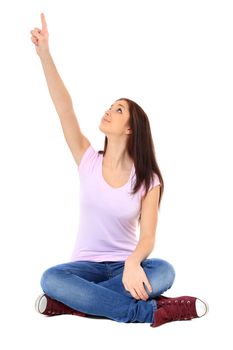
41, 37
133, 278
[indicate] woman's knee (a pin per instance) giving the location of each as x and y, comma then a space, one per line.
49, 279
161, 271
168, 271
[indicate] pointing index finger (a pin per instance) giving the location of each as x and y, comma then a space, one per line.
44, 25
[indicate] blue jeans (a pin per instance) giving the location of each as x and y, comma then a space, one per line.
96, 288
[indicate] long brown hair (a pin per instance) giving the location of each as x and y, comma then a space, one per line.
140, 147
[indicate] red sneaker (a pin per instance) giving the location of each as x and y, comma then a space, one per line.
51, 307
162, 300
178, 309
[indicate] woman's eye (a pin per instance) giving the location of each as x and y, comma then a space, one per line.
117, 109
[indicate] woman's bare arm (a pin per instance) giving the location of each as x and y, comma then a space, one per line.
76, 141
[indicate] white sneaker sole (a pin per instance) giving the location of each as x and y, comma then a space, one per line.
41, 303
202, 308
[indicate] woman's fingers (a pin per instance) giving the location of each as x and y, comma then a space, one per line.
36, 32
40, 37
44, 24
142, 293
34, 40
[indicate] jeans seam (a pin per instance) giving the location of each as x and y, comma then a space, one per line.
109, 274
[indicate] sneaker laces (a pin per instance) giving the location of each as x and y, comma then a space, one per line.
179, 310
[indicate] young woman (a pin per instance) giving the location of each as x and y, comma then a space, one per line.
121, 187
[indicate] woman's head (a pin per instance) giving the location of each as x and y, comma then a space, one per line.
126, 120
115, 123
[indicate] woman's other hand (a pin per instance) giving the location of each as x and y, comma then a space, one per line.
133, 278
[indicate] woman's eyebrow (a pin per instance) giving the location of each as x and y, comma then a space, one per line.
119, 105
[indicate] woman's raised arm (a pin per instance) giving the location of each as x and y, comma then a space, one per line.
76, 141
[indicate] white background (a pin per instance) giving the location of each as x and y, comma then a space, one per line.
174, 58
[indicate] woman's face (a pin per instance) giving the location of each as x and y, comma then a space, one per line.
116, 119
